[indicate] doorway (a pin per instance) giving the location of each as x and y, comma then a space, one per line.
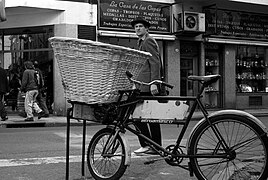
188, 66
186, 70
29, 44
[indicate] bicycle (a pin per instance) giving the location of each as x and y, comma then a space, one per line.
225, 145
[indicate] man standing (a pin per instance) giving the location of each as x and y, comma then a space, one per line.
30, 86
150, 71
3, 90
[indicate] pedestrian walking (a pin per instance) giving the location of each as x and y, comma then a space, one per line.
41, 98
150, 71
3, 91
14, 85
29, 85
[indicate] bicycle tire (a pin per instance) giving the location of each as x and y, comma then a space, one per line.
110, 166
245, 137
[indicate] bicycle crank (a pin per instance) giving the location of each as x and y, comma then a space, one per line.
175, 160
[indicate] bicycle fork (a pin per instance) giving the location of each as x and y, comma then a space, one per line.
112, 145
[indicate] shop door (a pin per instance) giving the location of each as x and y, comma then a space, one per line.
188, 66
187, 69
213, 65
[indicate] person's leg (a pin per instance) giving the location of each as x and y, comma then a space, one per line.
35, 105
42, 103
28, 104
15, 100
37, 109
143, 128
3, 112
12, 98
13, 106
155, 130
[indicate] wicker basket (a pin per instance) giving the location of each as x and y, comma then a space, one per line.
93, 72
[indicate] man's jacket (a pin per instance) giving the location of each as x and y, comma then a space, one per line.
28, 80
151, 70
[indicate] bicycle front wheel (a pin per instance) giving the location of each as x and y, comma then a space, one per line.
106, 156
246, 154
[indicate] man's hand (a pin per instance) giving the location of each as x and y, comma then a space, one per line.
154, 89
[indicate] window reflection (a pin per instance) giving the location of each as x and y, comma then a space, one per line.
251, 69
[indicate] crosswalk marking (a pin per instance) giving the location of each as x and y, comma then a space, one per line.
76, 139
49, 160
37, 161
75, 142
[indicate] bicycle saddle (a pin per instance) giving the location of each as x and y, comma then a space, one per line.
205, 79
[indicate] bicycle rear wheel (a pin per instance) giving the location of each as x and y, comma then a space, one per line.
247, 154
106, 164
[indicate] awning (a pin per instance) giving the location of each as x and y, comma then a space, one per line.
236, 41
133, 35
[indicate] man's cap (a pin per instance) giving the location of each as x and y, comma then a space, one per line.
140, 20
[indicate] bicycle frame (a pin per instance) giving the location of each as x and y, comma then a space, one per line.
224, 144
127, 108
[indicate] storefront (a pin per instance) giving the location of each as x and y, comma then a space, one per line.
23, 44
24, 36
114, 25
194, 38
243, 56
180, 56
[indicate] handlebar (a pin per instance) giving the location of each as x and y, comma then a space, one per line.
129, 76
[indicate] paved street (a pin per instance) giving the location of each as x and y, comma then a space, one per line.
39, 154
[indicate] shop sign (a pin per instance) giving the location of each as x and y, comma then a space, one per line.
236, 24
118, 14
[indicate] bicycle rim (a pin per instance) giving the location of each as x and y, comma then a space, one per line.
247, 158
109, 165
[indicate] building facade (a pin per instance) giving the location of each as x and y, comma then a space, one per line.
196, 37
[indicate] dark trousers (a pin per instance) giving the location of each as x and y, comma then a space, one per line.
3, 112
13, 97
150, 130
41, 100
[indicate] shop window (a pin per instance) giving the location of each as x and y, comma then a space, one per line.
212, 66
19, 45
22, 47
251, 69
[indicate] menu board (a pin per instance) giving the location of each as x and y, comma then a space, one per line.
118, 14
236, 24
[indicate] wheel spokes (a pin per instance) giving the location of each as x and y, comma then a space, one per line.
244, 159
107, 164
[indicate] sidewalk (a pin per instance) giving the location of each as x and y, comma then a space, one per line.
15, 120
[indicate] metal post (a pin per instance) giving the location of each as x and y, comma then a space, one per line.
68, 142
83, 148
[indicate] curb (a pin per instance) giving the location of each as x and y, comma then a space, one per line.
60, 124
62, 121
42, 123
